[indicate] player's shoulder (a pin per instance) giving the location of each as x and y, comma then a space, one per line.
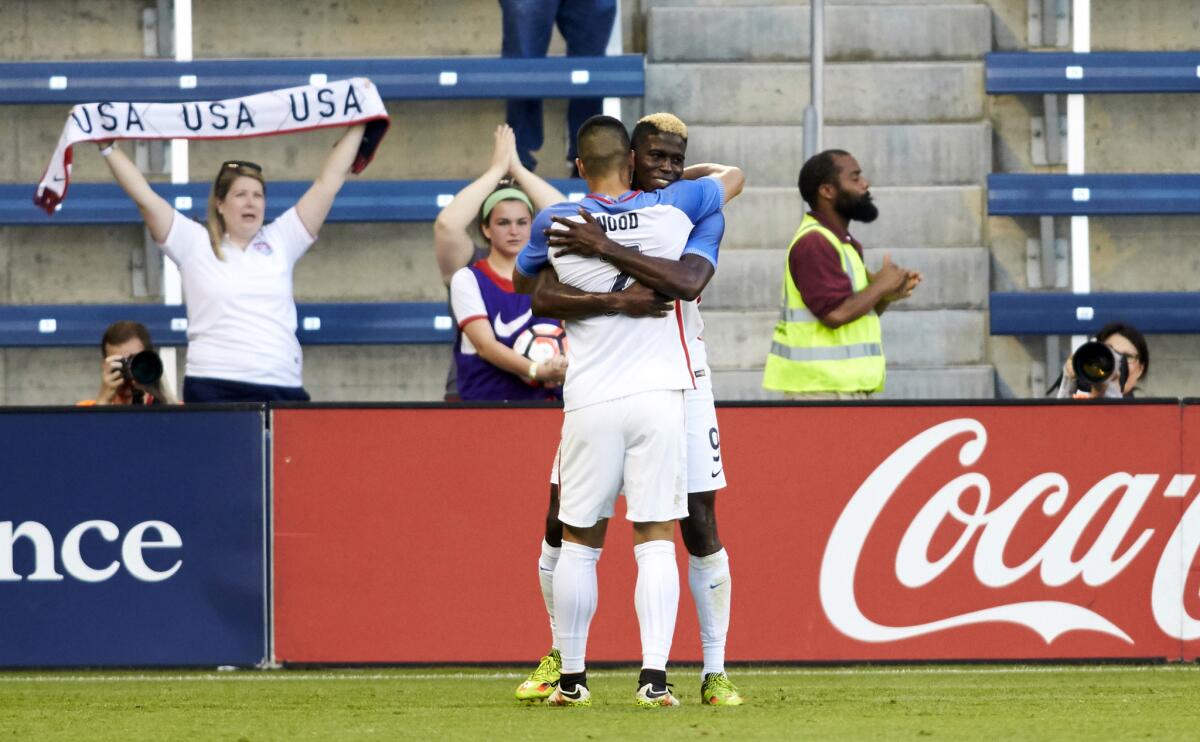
561, 209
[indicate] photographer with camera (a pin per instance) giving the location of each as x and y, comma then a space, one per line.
131, 372
1108, 367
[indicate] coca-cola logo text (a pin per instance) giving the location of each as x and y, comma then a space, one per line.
988, 523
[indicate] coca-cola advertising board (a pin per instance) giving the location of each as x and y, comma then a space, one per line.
866, 532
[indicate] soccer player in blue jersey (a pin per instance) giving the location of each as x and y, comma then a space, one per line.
660, 141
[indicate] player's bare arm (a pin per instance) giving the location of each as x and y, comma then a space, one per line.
678, 279
553, 298
731, 177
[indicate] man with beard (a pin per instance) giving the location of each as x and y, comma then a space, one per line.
828, 343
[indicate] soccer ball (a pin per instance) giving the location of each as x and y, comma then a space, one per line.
541, 342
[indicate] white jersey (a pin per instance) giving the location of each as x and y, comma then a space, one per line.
615, 356
241, 314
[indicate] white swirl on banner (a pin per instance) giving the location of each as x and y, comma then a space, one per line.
1050, 619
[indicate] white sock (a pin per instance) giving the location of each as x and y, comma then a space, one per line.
575, 598
711, 587
656, 598
546, 564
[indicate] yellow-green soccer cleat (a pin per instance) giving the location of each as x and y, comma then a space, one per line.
542, 681
649, 696
579, 696
718, 690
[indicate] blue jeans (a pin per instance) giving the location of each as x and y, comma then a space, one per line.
585, 26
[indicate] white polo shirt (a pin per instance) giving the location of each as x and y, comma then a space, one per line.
241, 311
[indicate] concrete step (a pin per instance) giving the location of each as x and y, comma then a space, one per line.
896, 155
867, 92
920, 337
953, 277
649, 4
371, 262
376, 373
953, 382
852, 32
935, 337
936, 216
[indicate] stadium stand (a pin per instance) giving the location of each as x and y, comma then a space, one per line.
81, 325
364, 323
155, 81
1092, 194
904, 93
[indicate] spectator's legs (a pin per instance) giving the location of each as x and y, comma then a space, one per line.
527, 28
586, 26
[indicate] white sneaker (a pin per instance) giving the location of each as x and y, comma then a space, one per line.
650, 697
578, 696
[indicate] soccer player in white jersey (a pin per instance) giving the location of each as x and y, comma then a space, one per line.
624, 425
659, 143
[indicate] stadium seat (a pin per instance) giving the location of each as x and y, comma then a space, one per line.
162, 81
1092, 72
358, 201
1093, 194
319, 324
1084, 314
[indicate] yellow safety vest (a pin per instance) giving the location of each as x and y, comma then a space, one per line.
807, 356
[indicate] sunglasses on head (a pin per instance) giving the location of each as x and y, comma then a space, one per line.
236, 164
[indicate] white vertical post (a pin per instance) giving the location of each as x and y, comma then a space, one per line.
814, 112
172, 283
616, 46
1081, 267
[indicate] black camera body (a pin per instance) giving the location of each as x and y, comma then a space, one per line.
143, 368
1097, 365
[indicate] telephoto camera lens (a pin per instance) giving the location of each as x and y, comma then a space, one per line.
145, 368
1094, 364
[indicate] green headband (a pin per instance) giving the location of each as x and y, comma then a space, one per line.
504, 194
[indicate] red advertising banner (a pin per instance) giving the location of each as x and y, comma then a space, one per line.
854, 533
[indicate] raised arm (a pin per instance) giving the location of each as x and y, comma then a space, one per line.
314, 205
732, 179
452, 243
539, 191
156, 212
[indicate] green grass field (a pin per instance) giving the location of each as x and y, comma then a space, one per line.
956, 702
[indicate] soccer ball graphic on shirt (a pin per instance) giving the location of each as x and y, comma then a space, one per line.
541, 342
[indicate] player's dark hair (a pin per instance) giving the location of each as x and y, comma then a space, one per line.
820, 169
603, 145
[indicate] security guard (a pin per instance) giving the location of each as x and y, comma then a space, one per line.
828, 343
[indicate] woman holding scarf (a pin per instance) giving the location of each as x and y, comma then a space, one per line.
237, 273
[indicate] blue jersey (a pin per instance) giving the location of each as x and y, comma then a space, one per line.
615, 356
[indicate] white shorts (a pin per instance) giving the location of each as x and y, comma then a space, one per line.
636, 444
705, 467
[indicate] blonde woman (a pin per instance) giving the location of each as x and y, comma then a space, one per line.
237, 274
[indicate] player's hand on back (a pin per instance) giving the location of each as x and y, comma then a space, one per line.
642, 301
586, 238
552, 372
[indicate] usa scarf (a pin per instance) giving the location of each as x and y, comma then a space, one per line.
339, 103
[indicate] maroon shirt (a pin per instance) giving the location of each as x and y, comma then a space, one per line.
817, 270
